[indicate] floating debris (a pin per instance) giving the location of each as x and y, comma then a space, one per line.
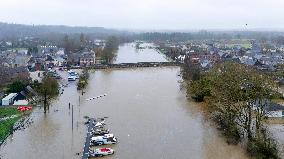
97, 97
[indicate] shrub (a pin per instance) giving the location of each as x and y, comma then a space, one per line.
263, 148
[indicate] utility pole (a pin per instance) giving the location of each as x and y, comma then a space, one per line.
72, 117
79, 106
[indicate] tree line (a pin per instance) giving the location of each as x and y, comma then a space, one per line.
237, 98
55, 34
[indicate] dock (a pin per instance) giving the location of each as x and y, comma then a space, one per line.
88, 139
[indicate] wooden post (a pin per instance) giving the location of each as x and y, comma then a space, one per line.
72, 117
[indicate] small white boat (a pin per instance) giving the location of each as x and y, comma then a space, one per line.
103, 140
100, 152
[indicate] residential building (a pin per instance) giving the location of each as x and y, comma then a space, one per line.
87, 59
9, 100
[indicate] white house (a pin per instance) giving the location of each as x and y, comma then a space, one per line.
8, 100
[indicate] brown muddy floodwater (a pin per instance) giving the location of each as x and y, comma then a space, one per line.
127, 53
147, 111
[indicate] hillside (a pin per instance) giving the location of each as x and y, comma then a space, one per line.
11, 31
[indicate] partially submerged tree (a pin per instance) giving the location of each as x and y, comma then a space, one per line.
83, 79
109, 52
47, 90
238, 98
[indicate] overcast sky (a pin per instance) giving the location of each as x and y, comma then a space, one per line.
147, 14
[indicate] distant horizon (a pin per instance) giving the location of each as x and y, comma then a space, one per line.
260, 29
148, 15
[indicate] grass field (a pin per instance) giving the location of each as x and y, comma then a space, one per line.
7, 125
8, 111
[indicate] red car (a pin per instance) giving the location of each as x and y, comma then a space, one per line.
24, 108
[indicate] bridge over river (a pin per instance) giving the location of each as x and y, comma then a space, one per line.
132, 65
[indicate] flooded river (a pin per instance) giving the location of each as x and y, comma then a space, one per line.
146, 110
127, 53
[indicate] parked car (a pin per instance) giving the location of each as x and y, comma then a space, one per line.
73, 74
71, 78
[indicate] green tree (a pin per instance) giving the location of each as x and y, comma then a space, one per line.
67, 44
83, 79
82, 39
29, 51
17, 86
238, 96
111, 47
47, 90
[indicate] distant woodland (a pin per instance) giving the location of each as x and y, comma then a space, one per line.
55, 33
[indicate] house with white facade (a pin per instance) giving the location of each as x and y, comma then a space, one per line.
9, 99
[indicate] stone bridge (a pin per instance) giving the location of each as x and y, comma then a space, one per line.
134, 65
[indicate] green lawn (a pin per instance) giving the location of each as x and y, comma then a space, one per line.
8, 111
6, 125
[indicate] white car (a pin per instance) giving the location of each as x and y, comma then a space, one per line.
73, 74
103, 140
71, 78
101, 152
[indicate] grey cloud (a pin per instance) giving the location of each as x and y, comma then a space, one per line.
146, 14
